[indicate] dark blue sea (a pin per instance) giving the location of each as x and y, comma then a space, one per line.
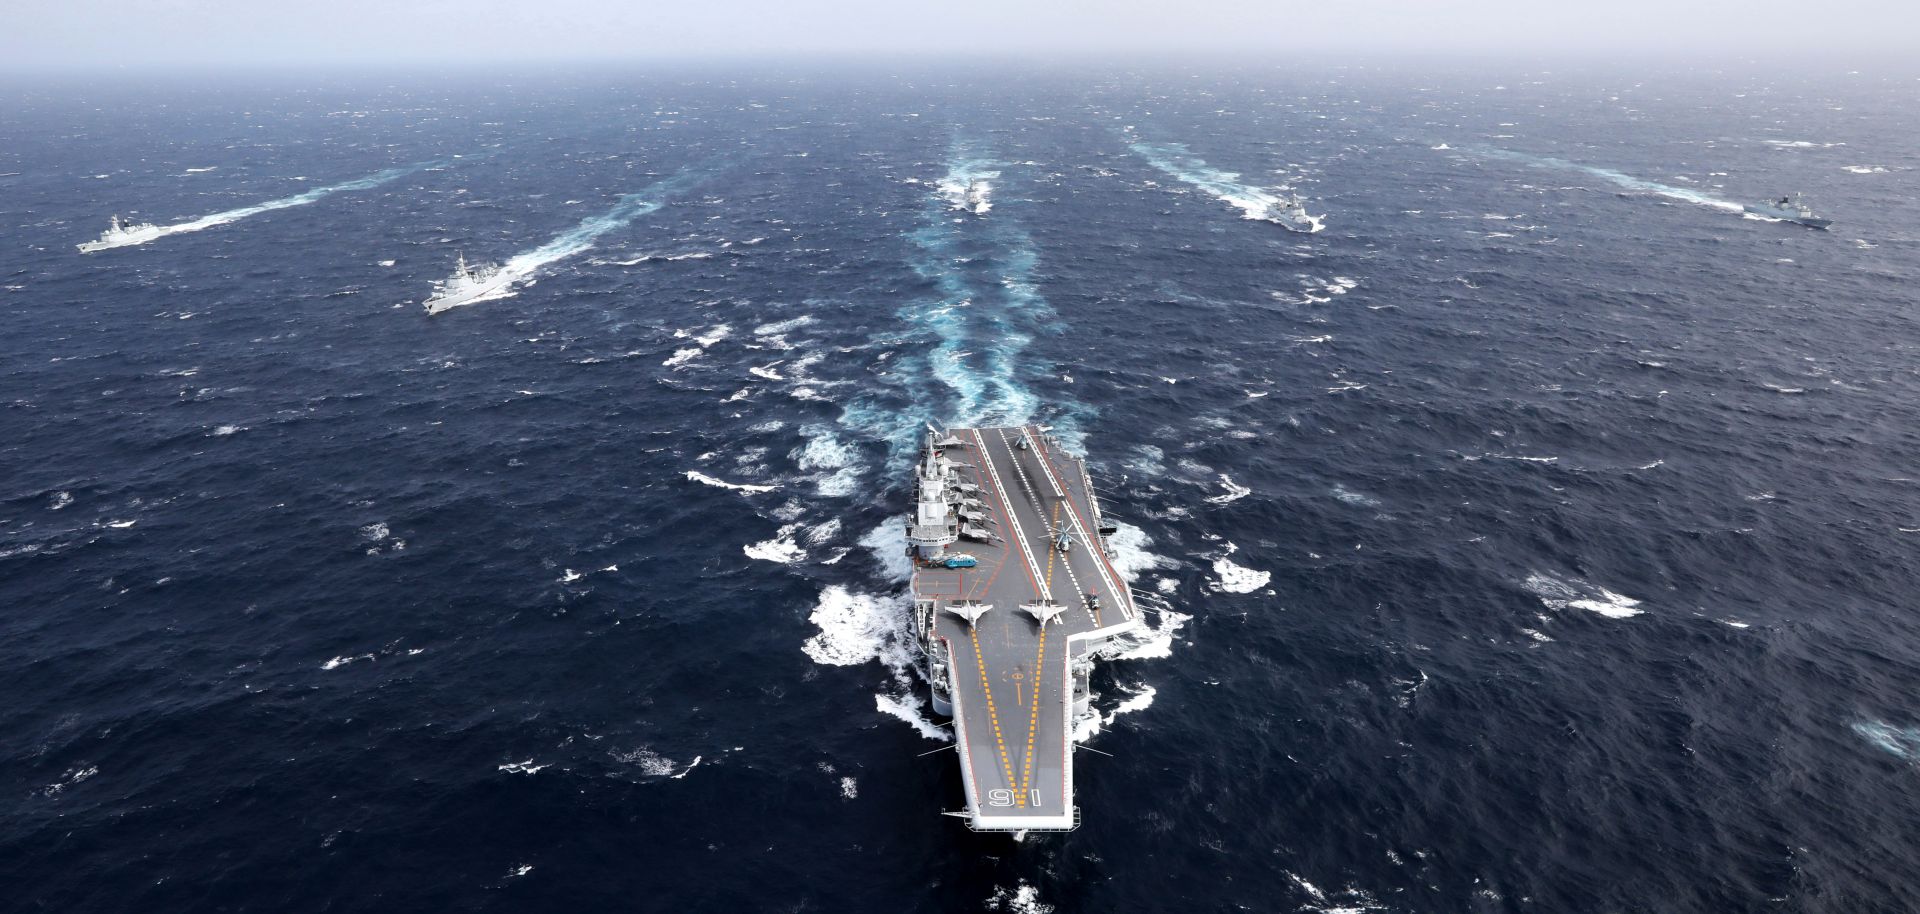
1541, 536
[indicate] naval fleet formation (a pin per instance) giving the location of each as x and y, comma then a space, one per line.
1015, 595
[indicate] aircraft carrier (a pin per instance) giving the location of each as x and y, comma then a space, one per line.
1015, 597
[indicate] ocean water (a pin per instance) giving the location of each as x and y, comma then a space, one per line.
1540, 536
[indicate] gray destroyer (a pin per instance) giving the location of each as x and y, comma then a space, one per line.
121, 234
1290, 213
1014, 598
1789, 209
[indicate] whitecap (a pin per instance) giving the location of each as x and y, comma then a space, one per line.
70, 778
785, 326
781, 549
1354, 498
1234, 492
1902, 742
1236, 578
700, 477
682, 356
1023, 899
341, 661
1559, 593
650, 763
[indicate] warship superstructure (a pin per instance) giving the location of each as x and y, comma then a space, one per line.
974, 200
120, 234
1789, 209
1014, 597
468, 284
1290, 213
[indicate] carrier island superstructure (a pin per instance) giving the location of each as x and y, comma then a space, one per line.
1015, 597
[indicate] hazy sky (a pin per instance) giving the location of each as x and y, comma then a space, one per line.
95, 33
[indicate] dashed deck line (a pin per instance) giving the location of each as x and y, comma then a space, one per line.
993, 715
1033, 716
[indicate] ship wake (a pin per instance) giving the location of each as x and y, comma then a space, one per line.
1619, 178
1174, 159
969, 334
522, 268
968, 185
235, 215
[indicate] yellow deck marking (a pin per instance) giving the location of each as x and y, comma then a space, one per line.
1033, 718
992, 715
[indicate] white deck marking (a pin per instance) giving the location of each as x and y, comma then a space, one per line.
1013, 519
1123, 596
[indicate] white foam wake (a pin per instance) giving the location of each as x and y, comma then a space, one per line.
977, 322
1620, 178
856, 628
300, 199
911, 711
522, 267
968, 185
1174, 159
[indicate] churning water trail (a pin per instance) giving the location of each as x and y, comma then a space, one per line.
968, 185
1177, 161
300, 199
1621, 178
520, 269
984, 313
